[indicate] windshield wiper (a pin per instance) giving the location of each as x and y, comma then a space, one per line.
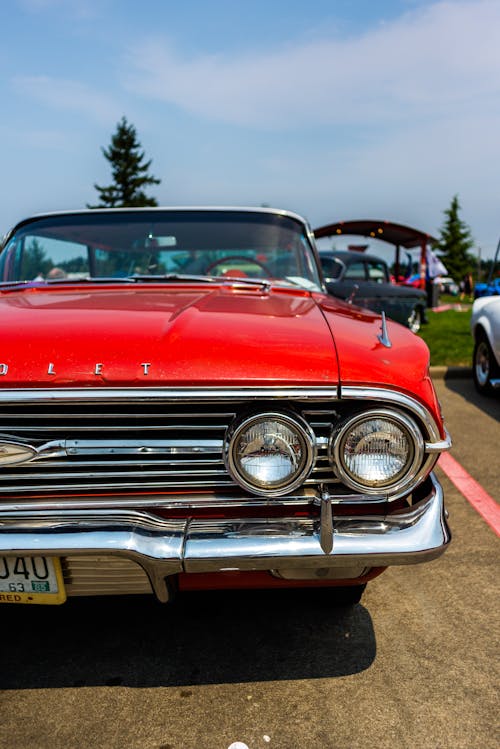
41, 283
87, 279
234, 281
10, 284
138, 278
225, 280
171, 277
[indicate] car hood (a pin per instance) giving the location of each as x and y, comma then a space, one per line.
162, 335
365, 362
198, 336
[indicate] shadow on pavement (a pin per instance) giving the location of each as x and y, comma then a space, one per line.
465, 387
202, 638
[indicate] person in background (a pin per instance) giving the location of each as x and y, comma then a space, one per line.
57, 273
466, 287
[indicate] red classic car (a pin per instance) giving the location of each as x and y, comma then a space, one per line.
184, 407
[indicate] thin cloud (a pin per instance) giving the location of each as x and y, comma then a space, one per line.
46, 140
428, 62
70, 96
81, 9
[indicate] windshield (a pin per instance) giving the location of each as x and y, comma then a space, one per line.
153, 244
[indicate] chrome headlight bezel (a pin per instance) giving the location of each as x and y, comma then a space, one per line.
404, 478
293, 422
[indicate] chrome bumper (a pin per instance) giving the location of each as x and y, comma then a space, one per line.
166, 547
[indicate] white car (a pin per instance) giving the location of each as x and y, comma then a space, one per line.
485, 327
448, 286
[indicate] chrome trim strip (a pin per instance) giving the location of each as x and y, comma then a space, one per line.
171, 209
91, 474
121, 427
42, 462
355, 392
144, 485
186, 501
66, 448
442, 446
140, 395
85, 415
51, 461
44, 454
165, 547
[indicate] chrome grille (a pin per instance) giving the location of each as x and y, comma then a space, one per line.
134, 446
103, 575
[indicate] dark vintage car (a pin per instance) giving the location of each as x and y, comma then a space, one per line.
364, 280
183, 407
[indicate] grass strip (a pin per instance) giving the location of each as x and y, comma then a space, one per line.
448, 337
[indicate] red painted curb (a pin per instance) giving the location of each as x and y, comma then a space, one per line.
473, 492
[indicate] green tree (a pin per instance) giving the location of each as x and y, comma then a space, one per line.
129, 171
454, 243
35, 261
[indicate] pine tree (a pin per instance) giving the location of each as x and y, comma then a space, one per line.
35, 261
130, 173
454, 243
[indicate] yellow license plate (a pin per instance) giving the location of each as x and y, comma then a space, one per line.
31, 580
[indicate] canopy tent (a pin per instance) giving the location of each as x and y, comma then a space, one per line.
387, 231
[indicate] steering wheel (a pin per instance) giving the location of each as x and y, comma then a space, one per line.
239, 259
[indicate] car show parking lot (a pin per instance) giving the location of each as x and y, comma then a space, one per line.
414, 665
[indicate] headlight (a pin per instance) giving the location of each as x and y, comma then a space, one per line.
270, 453
377, 450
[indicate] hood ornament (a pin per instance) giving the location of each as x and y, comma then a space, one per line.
383, 336
353, 293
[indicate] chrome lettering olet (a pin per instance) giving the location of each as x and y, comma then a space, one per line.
97, 368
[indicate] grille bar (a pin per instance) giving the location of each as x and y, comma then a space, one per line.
114, 474
117, 463
143, 485
86, 415
120, 428
97, 575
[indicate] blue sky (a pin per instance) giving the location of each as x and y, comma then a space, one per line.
336, 109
